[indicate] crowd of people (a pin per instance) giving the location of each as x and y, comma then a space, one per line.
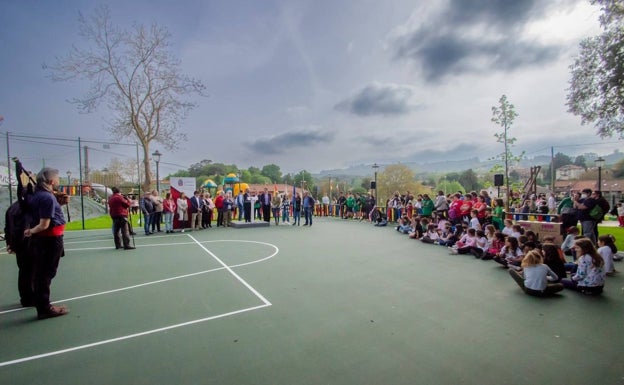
467, 224
473, 224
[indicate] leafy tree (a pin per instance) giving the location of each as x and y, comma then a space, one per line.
245, 176
449, 187
260, 179
199, 168
596, 92
254, 170
136, 75
580, 161
395, 177
504, 115
469, 180
618, 169
272, 172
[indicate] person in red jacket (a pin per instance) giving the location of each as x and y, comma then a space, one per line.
118, 208
218, 202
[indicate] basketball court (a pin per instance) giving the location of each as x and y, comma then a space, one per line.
339, 303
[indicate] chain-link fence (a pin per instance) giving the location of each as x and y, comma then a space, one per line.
88, 169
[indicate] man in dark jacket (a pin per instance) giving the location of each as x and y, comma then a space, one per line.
118, 208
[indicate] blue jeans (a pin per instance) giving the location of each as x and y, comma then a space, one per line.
240, 211
307, 212
285, 217
296, 217
168, 221
588, 229
147, 221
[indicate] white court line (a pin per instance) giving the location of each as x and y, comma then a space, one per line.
164, 279
266, 303
63, 351
248, 286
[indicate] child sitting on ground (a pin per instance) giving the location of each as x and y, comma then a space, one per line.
516, 231
568, 243
495, 247
535, 277
607, 249
404, 227
590, 274
511, 253
431, 236
508, 229
466, 243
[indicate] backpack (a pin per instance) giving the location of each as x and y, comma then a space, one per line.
16, 221
596, 213
16, 217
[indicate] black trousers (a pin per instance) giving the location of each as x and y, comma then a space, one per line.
266, 213
47, 253
25, 262
121, 232
247, 211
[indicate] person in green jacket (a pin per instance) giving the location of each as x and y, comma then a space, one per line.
427, 206
350, 203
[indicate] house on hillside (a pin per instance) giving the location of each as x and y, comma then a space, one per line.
569, 172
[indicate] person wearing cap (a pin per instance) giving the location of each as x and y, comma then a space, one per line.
46, 230
584, 205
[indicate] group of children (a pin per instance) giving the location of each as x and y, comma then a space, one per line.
539, 268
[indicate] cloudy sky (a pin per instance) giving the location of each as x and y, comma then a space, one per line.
319, 84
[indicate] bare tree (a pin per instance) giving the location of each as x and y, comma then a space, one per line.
138, 78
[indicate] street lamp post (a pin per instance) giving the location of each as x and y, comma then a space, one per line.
156, 154
375, 167
600, 162
68, 178
104, 180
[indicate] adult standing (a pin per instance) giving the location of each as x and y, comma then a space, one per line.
265, 204
208, 210
308, 208
325, 202
147, 208
219, 205
567, 211
296, 203
182, 204
240, 204
228, 207
275, 207
247, 205
197, 205
427, 206
584, 206
118, 206
169, 207
158, 210
285, 209
441, 204
47, 225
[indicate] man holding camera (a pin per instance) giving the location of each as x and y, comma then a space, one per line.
118, 208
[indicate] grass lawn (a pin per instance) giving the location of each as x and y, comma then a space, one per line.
103, 222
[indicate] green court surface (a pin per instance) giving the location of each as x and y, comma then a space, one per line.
336, 303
